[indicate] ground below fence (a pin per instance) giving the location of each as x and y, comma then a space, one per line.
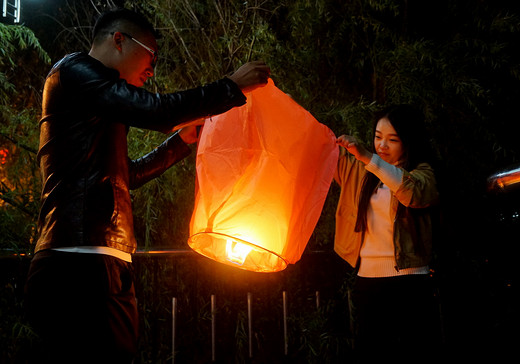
479, 308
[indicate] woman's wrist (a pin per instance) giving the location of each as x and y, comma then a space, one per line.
365, 157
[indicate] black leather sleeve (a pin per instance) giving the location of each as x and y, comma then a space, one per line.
100, 88
157, 161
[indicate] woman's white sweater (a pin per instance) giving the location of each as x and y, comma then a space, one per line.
377, 252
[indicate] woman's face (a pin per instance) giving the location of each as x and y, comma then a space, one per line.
387, 143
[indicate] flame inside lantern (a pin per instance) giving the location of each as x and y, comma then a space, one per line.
263, 173
237, 252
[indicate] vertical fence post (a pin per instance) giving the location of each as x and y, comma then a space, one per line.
249, 321
213, 299
174, 313
285, 336
317, 300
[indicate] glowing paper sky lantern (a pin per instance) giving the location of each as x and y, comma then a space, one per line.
263, 173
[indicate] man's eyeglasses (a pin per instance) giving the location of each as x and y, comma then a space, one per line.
154, 53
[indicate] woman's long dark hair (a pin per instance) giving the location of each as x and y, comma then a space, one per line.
409, 124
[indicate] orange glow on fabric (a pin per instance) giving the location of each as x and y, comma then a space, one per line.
263, 173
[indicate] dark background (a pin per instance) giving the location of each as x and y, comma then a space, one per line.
457, 60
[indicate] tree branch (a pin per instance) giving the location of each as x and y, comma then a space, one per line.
18, 144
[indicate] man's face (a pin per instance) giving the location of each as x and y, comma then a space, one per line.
138, 61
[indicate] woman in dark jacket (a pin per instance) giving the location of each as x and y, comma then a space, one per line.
384, 231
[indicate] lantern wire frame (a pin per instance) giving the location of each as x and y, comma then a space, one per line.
238, 252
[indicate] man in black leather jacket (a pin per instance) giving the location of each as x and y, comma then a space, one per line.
80, 292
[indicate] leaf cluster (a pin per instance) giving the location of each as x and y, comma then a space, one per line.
21, 57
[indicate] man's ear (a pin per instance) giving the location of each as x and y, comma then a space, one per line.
117, 40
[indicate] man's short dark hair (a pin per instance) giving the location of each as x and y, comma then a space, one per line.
106, 22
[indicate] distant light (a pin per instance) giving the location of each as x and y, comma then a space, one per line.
11, 9
505, 180
4, 153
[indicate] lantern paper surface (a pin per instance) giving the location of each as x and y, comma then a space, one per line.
263, 172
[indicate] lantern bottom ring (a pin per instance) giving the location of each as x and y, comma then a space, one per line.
236, 252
